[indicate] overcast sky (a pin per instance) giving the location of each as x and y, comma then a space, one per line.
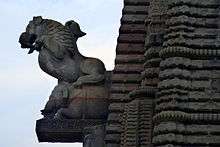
24, 87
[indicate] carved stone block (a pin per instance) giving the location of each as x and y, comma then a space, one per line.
66, 130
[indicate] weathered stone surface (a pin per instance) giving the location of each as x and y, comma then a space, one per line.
86, 102
131, 38
137, 2
94, 136
132, 28
136, 124
135, 58
129, 64
133, 19
187, 109
135, 9
128, 68
127, 78
129, 48
66, 130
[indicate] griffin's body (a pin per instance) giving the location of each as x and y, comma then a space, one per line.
60, 58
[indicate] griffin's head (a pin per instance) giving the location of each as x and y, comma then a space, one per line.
33, 30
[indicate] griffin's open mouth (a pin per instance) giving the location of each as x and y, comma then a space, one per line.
27, 40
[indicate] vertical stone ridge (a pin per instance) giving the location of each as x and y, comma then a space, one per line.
187, 105
129, 65
140, 134
136, 124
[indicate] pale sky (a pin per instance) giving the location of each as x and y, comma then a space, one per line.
24, 86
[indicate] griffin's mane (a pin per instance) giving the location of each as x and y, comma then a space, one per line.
52, 26
59, 32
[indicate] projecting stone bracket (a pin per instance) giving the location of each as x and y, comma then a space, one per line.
69, 131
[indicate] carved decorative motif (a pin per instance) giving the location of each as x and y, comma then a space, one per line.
129, 65
186, 108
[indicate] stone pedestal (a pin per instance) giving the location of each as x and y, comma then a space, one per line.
82, 120
94, 136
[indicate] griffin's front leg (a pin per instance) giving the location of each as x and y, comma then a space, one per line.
89, 79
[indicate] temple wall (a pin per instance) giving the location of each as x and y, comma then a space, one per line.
129, 64
187, 103
176, 99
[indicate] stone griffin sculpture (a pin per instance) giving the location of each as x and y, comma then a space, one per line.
60, 58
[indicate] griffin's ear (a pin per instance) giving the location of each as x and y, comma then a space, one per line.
37, 19
74, 28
